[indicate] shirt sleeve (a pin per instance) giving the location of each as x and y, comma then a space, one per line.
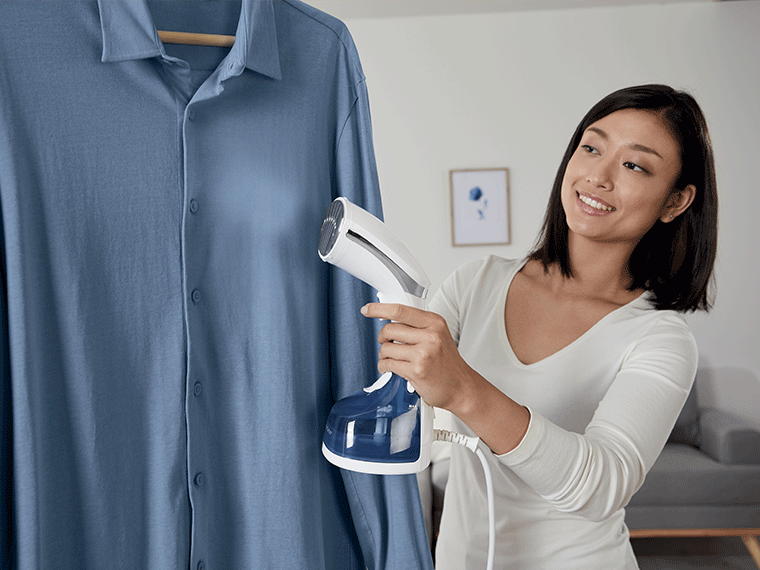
596, 473
447, 300
386, 510
6, 441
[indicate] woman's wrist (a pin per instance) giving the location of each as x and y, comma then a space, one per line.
499, 421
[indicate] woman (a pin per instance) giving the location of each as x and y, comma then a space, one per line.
573, 364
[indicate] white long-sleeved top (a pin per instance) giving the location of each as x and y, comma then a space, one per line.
601, 411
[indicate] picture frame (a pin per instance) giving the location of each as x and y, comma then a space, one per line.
480, 207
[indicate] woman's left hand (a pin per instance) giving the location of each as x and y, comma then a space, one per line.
418, 346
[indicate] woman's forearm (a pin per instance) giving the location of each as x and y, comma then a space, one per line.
499, 421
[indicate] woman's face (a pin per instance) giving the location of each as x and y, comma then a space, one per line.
619, 179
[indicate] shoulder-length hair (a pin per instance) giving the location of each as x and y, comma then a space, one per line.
674, 261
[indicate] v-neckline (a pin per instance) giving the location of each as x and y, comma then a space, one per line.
597, 324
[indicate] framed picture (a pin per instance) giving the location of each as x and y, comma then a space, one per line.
480, 207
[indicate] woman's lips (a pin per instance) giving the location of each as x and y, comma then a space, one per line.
594, 205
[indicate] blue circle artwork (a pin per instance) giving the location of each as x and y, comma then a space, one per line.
475, 195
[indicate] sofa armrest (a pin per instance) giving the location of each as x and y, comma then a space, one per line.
728, 439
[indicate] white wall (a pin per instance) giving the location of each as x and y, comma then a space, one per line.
507, 90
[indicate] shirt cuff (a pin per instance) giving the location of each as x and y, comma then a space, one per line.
529, 443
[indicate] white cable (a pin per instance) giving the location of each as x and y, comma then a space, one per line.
491, 515
473, 444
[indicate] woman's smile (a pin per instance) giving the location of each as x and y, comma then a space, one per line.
594, 205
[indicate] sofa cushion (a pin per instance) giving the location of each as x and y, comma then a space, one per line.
683, 475
686, 429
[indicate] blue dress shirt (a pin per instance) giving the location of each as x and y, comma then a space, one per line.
171, 342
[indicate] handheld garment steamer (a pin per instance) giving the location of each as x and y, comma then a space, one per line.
385, 428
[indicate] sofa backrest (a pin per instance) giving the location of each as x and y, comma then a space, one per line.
686, 429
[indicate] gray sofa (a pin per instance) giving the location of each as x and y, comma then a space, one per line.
706, 482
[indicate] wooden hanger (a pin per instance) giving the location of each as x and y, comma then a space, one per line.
194, 39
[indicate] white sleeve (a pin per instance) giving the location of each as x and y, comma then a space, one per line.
595, 474
446, 301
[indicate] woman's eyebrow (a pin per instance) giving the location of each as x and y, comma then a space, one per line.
631, 145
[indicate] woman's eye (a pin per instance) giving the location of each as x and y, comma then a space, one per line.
590, 149
633, 166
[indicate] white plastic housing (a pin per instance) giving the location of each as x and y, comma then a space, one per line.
360, 237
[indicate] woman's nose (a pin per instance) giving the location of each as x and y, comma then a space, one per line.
599, 174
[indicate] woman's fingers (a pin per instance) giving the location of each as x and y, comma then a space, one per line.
398, 332
418, 346
398, 313
394, 350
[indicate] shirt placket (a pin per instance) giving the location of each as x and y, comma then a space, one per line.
197, 294
201, 380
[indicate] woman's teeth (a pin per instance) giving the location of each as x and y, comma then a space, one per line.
594, 204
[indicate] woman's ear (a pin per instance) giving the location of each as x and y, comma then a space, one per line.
677, 203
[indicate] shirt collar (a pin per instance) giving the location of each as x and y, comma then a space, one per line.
129, 33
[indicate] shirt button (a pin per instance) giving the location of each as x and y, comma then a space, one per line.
193, 206
191, 114
199, 480
196, 296
198, 389
201, 565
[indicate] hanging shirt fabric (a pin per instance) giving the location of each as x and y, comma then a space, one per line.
171, 341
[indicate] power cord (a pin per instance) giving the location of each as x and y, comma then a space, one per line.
474, 444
